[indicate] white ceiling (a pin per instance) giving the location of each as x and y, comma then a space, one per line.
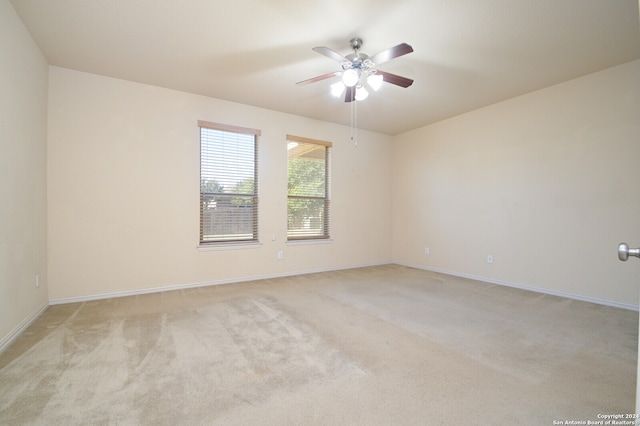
467, 53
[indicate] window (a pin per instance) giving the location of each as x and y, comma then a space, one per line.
228, 183
308, 168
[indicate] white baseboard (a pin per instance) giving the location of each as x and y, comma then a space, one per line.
99, 296
13, 335
582, 298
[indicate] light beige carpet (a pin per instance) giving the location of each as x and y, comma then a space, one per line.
385, 345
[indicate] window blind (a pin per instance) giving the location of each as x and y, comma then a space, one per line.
228, 183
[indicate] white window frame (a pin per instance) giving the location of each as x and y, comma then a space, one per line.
298, 233
242, 162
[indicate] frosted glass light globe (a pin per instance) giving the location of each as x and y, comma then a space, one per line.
350, 77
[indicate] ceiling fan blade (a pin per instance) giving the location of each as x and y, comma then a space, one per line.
320, 77
331, 54
395, 79
350, 94
392, 52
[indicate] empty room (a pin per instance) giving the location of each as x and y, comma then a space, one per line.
285, 212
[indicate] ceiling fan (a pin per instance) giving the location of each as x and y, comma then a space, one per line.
359, 72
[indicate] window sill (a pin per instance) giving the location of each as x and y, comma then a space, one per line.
309, 242
229, 246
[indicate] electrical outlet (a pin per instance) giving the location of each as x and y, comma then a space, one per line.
280, 254
426, 250
490, 258
37, 280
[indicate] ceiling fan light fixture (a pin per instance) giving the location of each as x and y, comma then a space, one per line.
361, 93
375, 81
337, 89
350, 77
358, 71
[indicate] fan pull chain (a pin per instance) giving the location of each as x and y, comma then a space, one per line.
354, 124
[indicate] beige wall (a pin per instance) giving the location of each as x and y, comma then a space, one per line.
538, 181
547, 183
23, 125
123, 188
